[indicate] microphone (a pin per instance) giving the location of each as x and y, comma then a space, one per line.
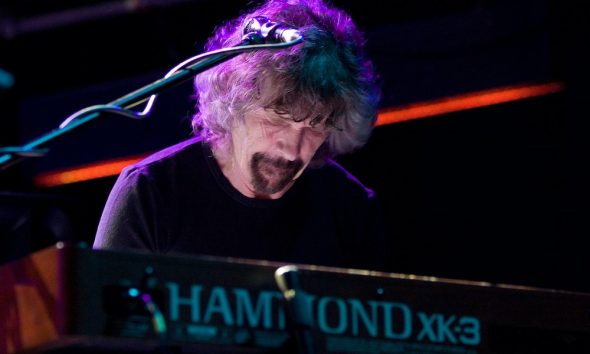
271, 32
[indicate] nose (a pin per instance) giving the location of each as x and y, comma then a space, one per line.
289, 143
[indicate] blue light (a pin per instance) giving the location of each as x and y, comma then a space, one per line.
133, 292
6, 79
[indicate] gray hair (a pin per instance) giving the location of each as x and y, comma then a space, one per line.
326, 79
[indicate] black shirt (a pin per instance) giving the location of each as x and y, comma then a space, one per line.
179, 201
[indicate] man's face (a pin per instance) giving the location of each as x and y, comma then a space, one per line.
270, 151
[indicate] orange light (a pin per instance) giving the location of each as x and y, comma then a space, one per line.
389, 116
85, 173
467, 101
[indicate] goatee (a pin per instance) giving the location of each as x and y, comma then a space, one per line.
271, 175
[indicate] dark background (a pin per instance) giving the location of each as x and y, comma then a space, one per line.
496, 193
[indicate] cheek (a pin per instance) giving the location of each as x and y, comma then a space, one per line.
311, 145
240, 151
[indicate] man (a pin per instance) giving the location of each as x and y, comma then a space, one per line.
258, 182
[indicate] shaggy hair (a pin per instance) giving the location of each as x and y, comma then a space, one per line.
326, 79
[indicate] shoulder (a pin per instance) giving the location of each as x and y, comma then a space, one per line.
171, 159
172, 154
164, 170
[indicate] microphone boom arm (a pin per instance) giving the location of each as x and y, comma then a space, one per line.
11, 155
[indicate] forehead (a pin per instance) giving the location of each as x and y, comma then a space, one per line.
274, 116
312, 115
262, 115
296, 104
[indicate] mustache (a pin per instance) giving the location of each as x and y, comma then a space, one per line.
278, 162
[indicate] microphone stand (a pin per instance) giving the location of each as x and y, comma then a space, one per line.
299, 310
251, 41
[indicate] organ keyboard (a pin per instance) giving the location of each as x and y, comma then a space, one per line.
73, 299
